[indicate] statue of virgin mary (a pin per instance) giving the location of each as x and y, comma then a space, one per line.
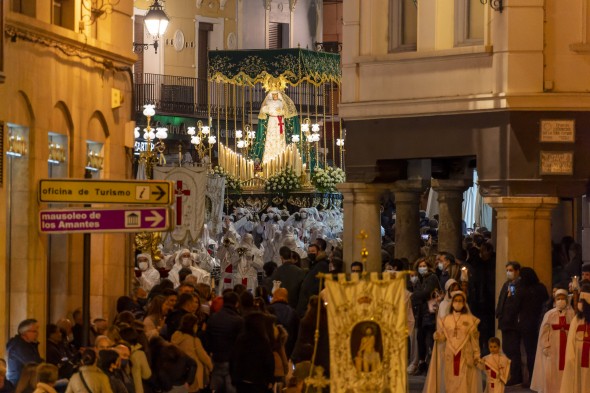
277, 121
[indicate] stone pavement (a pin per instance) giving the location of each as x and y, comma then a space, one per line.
416, 383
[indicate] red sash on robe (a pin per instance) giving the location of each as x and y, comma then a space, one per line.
281, 124
563, 328
492, 376
456, 363
228, 270
586, 346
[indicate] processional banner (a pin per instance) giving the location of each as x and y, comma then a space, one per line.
368, 333
190, 186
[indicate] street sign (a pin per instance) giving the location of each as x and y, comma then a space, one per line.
141, 219
145, 192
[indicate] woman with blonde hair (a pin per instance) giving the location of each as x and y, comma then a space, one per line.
46, 378
28, 377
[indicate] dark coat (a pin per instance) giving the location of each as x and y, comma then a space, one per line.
305, 342
252, 360
531, 307
223, 329
58, 354
291, 276
171, 367
509, 306
311, 283
173, 323
288, 318
19, 352
423, 290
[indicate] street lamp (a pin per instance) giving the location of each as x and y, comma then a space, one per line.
156, 21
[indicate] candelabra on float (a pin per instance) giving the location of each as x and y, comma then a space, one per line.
203, 141
152, 155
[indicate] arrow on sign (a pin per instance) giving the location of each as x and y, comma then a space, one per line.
155, 219
160, 193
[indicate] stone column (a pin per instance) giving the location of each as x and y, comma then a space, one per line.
586, 229
450, 206
361, 212
523, 234
348, 236
407, 218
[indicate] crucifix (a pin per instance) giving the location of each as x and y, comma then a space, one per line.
180, 192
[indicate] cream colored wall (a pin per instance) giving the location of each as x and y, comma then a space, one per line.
525, 46
39, 78
183, 17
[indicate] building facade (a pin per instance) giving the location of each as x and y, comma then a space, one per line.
435, 89
65, 110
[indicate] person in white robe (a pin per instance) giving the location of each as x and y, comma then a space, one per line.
226, 253
184, 260
444, 309
203, 260
247, 263
291, 242
550, 358
150, 276
461, 353
576, 374
496, 365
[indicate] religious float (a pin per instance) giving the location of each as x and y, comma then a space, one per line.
269, 146
270, 138
289, 152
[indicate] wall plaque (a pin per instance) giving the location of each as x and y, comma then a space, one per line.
557, 163
558, 131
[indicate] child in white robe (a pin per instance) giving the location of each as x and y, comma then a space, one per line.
496, 365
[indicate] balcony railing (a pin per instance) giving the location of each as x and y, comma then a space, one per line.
177, 95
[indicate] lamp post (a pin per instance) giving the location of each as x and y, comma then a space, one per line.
199, 138
156, 21
149, 157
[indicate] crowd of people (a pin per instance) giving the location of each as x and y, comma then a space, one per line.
231, 316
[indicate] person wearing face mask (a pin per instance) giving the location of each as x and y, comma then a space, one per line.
550, 358
123, 372
109, 362
507, 312
184, 259
426, 290
149, 275
447, 268
413, 333
576, 374
459, 333
318, 263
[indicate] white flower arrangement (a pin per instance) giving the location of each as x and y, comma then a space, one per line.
232, 184
283, 182
327, 179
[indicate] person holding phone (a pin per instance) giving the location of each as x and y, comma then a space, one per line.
507, 311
